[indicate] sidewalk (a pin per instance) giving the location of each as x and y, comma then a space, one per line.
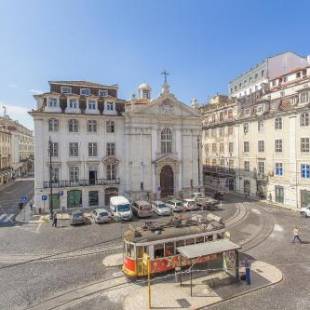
25, 216
173, 295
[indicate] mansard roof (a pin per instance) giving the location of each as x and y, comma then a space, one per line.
82, 84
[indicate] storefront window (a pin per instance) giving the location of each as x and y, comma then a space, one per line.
93, 198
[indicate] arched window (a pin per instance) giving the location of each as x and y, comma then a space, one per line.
73, 125
53, 124
166, 141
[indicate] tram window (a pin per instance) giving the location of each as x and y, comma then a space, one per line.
200, 239
130, 250
179, 243
219, 236
210, 238
141, 250
169, 248
158, 250
190, 241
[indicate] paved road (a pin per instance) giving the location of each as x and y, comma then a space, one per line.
9, 199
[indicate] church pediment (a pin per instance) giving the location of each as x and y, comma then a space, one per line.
166, 158
167, 105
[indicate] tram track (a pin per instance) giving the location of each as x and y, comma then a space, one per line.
71, 297
63, 254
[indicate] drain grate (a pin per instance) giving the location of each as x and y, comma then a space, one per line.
183, 303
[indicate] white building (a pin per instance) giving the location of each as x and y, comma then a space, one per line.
101, 145
259, 145
258, 77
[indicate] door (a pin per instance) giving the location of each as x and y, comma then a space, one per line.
92, 177
55, 201
247, 187
74, 199
305, 198
166, 181
108, 193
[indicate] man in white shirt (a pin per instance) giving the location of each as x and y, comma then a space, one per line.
296, 235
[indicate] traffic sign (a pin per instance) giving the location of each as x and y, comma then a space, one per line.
44, 197
23, 199
61, 193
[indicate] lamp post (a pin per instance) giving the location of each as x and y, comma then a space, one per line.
50, 151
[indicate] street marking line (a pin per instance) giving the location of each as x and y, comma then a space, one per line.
2, 216
38, 228
256, 211
277, 227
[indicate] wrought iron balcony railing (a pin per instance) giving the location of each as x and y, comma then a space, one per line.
67, 183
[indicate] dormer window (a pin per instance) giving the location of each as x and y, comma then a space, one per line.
103, 92
84, 91
73, 103
92, 105
52, 102
110, 106
66, 90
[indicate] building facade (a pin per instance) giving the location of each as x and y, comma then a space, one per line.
266, 155
258, 77
90, 145
20, 147
5, 156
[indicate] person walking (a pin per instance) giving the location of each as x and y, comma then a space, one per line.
55, 220
296, 235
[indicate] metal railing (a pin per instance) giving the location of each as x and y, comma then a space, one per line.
84, 182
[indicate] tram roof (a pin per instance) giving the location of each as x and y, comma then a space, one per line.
208, 248
138, 235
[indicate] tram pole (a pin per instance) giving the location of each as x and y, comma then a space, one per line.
149, 280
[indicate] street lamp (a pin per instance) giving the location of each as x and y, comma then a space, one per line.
50, 151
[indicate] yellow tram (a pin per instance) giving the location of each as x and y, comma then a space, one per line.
160, 241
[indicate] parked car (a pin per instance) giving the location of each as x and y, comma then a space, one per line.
160, 208
121, 208
207, 203
101, 216
175, 205
305, 211
78, 218
142, 208
190, 205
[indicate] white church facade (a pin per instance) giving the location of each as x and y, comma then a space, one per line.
91, 145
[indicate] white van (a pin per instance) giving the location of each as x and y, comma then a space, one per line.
120, 208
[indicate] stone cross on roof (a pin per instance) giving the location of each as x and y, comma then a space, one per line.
165, 73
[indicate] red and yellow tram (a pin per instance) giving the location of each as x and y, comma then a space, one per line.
160, 243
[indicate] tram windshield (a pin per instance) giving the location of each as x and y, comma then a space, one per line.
123, 208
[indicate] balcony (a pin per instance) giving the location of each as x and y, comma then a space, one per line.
219, 170
67, 183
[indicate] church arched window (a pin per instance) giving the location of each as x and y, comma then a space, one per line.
166, 141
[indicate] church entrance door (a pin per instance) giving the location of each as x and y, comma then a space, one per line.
166, 182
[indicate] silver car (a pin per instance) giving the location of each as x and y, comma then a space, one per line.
78, 218
161, 208
175, 205
101, 216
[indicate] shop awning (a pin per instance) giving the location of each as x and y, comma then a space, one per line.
208, 248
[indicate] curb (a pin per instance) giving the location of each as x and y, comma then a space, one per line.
240, 295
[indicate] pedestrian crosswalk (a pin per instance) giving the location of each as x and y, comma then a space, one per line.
7, 219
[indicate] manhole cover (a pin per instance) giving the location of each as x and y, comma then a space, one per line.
183, 303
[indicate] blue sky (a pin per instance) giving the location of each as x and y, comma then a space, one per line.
203, 44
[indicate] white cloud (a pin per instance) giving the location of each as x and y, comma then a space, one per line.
36, 91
